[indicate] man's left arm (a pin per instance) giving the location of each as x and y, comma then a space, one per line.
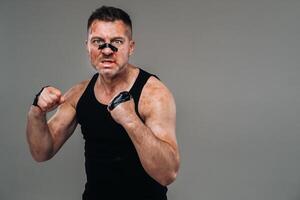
154, 139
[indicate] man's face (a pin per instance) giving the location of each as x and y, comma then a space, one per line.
106, 61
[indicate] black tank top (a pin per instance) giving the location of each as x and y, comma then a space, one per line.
113, 168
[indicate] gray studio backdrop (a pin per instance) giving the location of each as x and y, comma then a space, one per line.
233, 66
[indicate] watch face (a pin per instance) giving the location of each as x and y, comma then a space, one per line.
120, 98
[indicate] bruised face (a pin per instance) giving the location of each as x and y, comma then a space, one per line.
107, 61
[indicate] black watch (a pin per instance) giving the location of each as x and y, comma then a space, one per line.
120, 98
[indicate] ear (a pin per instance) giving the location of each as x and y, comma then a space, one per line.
131, 47
86, 46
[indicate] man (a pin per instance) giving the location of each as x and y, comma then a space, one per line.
131, 150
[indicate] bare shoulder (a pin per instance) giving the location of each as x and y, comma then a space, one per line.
74, 93
156, 97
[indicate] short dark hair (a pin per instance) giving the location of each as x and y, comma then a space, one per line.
110, 14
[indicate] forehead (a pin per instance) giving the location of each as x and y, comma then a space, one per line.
108, 29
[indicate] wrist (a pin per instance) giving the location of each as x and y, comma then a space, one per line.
133, 123
36, 112
36, 98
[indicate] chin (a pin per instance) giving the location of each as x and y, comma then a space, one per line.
108, 72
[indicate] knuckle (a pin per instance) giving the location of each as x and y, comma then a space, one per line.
58, 92
42, 104
46, 89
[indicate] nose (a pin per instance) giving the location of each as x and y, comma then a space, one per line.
106, 51
107, 48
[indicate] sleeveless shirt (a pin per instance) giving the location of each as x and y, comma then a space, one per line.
113, 169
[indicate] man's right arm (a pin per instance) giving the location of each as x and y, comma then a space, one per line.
46, 138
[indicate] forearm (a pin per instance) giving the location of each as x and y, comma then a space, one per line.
159, 158
38, 135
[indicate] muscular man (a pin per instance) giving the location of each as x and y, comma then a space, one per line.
131, 150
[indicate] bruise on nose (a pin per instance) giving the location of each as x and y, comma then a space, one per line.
107, 45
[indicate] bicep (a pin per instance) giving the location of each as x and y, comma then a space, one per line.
160, 115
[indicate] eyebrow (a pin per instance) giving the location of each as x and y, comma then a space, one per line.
95, 37
111, 39
118, 38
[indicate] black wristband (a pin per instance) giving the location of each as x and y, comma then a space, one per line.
36, 98
120, 98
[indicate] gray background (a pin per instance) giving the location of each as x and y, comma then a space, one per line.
233, 66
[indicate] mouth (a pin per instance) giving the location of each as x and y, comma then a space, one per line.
108, 61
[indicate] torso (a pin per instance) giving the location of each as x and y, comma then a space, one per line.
112, 162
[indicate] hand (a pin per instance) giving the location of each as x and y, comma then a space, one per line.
49, 99
124, 113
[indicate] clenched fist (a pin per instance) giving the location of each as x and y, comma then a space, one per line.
49, 99
124, 112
